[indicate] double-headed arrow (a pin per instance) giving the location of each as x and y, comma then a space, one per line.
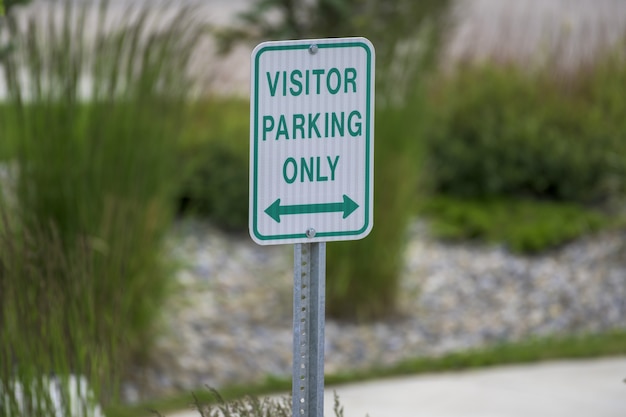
347, 206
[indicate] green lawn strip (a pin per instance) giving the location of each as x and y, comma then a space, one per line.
530, 351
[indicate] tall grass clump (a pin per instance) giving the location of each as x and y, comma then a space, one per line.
364, 276
93, 113
56, 356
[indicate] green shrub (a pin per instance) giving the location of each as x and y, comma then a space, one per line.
94, 188
499, 131
216, 159
217, 187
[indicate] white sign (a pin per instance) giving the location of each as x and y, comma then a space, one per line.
311, 141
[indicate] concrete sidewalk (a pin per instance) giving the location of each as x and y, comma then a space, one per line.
590, 388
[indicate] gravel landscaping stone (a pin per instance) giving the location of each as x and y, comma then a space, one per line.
229, 320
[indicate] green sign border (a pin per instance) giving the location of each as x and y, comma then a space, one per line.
352, 43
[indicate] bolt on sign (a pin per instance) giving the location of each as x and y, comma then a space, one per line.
311, 141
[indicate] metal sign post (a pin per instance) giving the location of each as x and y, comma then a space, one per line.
311, 174
308, 325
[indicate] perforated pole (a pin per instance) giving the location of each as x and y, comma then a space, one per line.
308, 329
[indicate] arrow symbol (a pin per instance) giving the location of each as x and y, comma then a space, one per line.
347, 206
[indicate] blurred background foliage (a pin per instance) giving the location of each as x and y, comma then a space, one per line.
500, 131
492, 152
488, 152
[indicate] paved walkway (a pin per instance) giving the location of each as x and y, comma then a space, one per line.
590, 388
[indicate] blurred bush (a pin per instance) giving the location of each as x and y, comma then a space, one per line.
217, 187
216, 163
502, 131
94, 123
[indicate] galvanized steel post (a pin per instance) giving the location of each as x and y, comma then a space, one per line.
309, 302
